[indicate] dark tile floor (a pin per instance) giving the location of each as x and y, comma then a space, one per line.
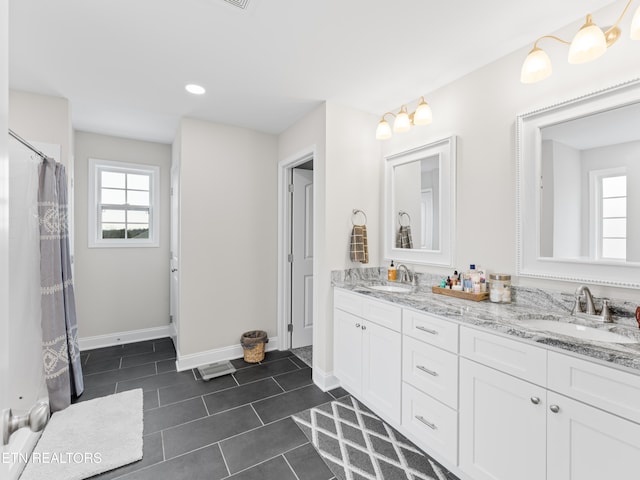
235, 427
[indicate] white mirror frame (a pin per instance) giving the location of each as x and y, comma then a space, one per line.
446, 150
529, 263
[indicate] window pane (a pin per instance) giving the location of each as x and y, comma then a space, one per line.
614, 248
614, 227
138, 231
113, 197
112, 180
614, 186
138, 198
113, 230
614, 207
113, 216
138, 182
138, 216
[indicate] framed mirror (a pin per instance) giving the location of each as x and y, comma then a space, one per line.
578, 191
419, 211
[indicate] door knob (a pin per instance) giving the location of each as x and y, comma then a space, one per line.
35, 419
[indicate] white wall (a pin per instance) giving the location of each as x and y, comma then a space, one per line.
228, 241
481, 109
120, 289
347, 175
45, 119
568, 241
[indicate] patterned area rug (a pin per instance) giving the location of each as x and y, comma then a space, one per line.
357, 445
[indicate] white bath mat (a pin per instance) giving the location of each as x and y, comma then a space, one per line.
89, 438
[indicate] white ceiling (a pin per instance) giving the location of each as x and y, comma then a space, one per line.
123, 64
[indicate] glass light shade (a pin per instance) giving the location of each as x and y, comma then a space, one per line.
423, 114
402, 122
536, 67
635, 26
588, 44
383, 132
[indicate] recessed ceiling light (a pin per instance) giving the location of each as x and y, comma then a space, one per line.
195, 89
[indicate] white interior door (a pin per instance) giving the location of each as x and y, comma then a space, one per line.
302, 264
174, 263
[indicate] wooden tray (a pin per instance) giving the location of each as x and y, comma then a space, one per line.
476, 297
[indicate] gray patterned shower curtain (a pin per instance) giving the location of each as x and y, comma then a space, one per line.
60, 353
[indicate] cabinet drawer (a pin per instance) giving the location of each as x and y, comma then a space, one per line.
430, 369
430, 329
608, 388
349, 302
434, 426
515, 358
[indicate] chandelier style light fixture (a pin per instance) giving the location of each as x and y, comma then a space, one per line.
404, 120
588, 44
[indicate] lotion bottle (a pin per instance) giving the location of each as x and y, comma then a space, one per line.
392, 273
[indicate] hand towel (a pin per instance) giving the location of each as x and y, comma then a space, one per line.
359, 244
403, 239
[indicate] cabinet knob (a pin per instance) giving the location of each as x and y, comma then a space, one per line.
554, 408
364, 327
357, 325
535, 400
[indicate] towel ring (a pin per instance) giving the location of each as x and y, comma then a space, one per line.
402, 213
355, 212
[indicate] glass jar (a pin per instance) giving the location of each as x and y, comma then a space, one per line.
500, 288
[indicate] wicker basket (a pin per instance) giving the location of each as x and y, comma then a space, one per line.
253, 344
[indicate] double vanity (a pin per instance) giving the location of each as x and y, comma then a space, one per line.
493, 391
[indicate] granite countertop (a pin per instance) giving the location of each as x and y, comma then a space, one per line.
529, 304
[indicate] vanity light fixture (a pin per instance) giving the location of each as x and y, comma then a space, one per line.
589, 43
195, 89
404, 120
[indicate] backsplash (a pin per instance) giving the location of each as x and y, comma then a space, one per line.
623, 311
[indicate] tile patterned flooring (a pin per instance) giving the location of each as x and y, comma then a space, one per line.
235, 427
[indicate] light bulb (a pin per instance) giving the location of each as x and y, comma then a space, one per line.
423, 114
383, 132
402, 122
194, 89
635, 26
588, 44
536, 67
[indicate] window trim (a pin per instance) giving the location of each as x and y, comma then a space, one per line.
596, 218
98, 165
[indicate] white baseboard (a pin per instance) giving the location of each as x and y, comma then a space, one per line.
120, 338
186, 362
325, 381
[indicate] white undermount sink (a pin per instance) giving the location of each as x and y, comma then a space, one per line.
390, 288
578, 331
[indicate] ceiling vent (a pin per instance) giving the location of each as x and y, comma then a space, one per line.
241, 4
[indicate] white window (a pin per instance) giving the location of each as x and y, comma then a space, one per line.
609, 188
123, 204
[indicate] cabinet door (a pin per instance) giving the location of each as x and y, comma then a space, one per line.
586, 443
502, 425
347, 355
381, 370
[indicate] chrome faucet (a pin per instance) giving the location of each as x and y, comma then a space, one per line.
589, 311
405, 274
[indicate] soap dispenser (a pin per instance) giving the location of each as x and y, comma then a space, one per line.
392, 273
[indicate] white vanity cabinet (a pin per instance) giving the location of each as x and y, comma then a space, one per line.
430, 382
516, 422
502, 418
367, 351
